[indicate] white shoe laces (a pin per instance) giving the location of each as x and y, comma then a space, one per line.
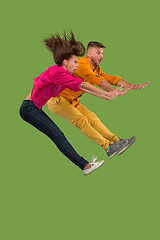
94, 159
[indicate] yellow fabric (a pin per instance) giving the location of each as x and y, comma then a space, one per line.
88, 73
86, 121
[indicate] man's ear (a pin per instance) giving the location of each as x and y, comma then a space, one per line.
88, 54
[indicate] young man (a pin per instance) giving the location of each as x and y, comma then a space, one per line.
68, 106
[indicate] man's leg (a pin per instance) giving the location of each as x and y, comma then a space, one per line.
114, 148
60, 106
97, 124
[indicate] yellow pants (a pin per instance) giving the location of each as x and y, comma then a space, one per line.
86, 121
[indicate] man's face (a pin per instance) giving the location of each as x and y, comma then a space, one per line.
95, 55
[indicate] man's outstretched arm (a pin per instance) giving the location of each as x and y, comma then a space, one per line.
91, 89
104, 84
109, 80
126, 84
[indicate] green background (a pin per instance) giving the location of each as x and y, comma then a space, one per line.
43, 195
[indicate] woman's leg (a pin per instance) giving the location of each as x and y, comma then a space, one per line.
31, 114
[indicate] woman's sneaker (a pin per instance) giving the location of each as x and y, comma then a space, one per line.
119, 147
94, 166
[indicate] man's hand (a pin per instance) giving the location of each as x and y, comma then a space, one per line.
139, 86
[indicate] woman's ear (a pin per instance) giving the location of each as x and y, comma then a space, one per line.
64, 63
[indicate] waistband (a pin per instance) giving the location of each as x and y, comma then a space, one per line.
28, 103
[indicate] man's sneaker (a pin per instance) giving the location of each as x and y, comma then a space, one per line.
94, 165
115, 148
120, 146
128, 143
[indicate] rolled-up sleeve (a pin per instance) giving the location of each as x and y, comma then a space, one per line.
111, 79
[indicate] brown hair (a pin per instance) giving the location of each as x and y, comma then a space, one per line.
95, 44
64, 48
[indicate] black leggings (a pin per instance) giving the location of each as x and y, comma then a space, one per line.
31, 114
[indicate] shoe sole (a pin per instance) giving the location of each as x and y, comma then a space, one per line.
94, 169
126, 147
113, 154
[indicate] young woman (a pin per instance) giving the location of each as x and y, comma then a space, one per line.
49, 84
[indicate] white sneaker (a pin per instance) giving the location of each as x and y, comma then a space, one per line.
94, 165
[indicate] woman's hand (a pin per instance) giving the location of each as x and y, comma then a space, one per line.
89, 88
111, 98
123, 91
113, 93
119, 91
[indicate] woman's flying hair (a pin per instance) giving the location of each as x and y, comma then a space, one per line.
64, 47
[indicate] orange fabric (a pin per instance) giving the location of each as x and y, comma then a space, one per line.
88, 73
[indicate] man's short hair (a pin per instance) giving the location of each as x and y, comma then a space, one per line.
95, 44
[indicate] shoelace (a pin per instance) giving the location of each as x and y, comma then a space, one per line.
94, 159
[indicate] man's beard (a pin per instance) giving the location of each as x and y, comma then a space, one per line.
93, 62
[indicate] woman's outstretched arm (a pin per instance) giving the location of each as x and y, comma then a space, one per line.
89, 88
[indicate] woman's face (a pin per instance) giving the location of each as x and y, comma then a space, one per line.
70, 65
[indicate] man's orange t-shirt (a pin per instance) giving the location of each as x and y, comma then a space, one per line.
88, 73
